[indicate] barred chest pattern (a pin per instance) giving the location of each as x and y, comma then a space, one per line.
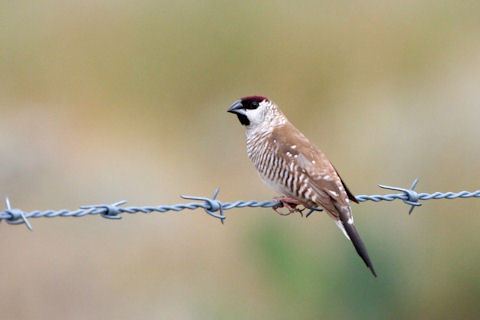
278, 171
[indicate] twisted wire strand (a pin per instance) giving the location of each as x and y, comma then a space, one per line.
214, 207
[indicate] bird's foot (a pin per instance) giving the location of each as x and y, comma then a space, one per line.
290, 204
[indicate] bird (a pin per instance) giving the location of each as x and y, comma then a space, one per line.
291, 165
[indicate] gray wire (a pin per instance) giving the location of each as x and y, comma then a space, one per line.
214, 207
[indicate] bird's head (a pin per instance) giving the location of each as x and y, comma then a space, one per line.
256, 111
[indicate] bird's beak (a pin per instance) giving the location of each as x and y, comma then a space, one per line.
237, 108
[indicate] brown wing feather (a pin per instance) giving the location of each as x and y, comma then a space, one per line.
329, 190
350, 195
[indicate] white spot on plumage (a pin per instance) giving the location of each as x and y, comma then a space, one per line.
293, 147
308, 194
341, 227
332, 193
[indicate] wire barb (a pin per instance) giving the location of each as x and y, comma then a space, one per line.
211, 205
411, 195
16, 215
108, 211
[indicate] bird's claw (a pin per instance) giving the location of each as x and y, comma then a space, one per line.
291, 205
312, 210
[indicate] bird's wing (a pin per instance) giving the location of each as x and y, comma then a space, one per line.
325, 185
327, 188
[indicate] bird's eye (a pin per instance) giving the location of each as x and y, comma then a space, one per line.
251, 104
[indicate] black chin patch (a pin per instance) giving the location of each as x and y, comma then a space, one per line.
243, 119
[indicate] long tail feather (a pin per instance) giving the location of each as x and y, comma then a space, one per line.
359, 245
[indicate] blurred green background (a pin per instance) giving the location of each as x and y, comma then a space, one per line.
108, 100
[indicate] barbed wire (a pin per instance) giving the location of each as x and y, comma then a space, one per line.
214, 207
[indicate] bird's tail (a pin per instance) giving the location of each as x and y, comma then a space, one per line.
359, 245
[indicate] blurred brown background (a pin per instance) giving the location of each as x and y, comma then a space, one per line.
108, 100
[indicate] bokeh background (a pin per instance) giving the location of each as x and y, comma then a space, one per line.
108, 100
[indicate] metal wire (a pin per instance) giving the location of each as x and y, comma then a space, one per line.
214, 207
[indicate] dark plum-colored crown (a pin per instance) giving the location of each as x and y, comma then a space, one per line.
252, 102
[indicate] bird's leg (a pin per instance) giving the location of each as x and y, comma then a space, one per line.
290, 204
